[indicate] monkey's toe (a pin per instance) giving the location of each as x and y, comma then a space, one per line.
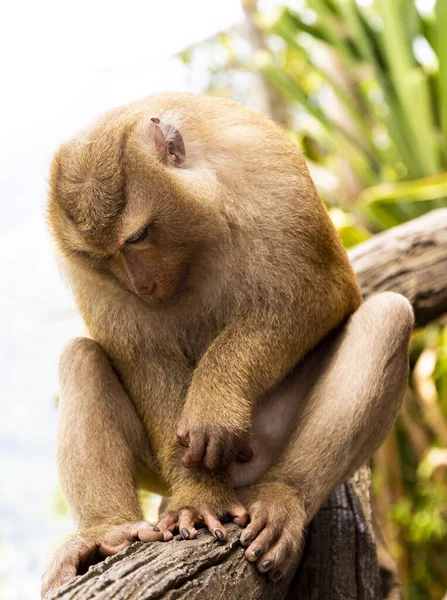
184, 520
122, 536
67, 560
273, 538
186, 525
275, 548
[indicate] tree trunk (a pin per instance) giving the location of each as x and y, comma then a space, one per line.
340, 558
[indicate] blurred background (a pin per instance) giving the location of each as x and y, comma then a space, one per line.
361, 85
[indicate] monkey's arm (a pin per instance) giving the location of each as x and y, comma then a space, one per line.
248, 358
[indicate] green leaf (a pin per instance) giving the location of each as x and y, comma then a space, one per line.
424, 189
441, 24
410, 86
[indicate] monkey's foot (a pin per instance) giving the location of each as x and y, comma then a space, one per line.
274, 535
76, 554
185, 519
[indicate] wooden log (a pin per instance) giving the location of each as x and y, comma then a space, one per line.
410, 259
340, 559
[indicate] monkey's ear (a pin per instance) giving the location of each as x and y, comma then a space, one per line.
168, 143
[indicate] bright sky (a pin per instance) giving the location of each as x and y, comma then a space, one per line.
63, 61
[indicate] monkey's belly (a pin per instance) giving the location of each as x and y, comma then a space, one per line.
274, 420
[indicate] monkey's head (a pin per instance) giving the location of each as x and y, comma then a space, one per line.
121, 200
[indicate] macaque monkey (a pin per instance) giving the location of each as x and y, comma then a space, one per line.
207, 271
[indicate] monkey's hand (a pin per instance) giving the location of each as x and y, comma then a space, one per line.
78, 552
209, 504
213, 445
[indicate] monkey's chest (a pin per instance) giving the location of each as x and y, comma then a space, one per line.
197, 337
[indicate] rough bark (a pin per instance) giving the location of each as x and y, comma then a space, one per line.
340, 559
410, 259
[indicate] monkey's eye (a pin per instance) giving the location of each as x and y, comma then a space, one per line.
138, 236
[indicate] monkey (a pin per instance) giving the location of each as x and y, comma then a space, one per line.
230, 364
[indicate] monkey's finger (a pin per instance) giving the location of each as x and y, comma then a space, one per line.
197, 446
214, 455
244, 455
186, 525
228, 455
215, 527
239, 514
183, 436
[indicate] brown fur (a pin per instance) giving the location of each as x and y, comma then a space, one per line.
251, 276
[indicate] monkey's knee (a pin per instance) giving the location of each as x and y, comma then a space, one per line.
86, 381
77, 351
79, 357
390, 319
94, 405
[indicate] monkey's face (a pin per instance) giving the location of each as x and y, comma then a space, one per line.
155, 277
122, 204
153, 262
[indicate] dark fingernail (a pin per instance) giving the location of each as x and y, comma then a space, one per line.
185, 533
247, 537
276, 576
256, 552
219, 534
267, 563
155, 528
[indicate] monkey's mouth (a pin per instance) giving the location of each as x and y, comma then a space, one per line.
151, 297
165, 291
146, 293
147, 298
158, 295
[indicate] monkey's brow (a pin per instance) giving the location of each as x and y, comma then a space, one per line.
91, 254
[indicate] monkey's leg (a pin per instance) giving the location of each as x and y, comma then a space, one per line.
101, 445
354, 384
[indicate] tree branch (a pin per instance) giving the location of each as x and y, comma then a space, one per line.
410, 259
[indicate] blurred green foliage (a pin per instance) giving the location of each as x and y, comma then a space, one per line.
364, 84
383, 68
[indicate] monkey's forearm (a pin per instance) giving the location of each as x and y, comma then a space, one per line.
249, 357
255, 351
